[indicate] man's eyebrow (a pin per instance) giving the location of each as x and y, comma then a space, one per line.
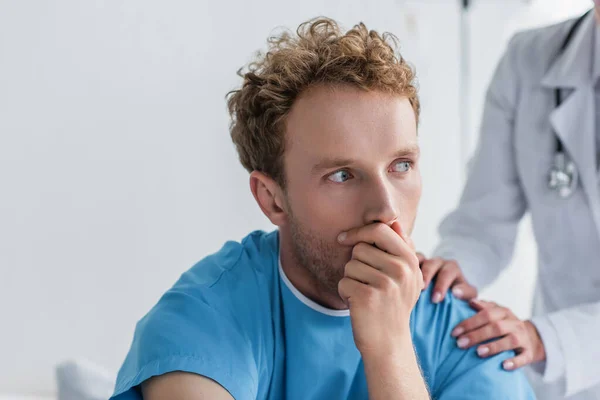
331, 163
411, 150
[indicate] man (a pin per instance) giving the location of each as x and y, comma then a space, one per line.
328, 306
542, 106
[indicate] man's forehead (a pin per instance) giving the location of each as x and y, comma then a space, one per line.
331, 112
336, 124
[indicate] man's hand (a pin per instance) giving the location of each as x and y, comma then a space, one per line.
449, 275
495, 322
381, 285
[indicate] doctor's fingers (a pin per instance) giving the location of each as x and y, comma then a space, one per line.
449, 275
464, 291
484, 317
429, 268
493, 330
512, 341
522, 359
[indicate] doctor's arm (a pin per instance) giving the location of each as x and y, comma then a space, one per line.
572, 340
477, 239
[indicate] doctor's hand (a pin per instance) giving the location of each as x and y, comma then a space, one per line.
381, 285
507, 332
447, 275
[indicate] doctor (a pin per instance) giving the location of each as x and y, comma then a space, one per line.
538, 153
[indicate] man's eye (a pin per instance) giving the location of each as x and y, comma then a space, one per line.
339, 176
402, 166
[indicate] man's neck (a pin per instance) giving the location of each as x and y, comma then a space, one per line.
302, 279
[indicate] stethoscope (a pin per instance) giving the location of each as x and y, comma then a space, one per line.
563, 175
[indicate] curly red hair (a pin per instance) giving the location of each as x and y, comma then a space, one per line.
319, 54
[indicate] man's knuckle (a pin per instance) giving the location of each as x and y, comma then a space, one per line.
368, 294
351, 267
359, 249
414, 260
348, 267
388, 285
343, 286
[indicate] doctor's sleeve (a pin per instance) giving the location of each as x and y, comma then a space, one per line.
572, 341
480, 233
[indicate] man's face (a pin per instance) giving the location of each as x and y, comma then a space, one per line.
351, 159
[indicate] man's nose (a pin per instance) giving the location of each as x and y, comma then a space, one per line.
380, 203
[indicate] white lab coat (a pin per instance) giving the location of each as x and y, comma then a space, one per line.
508, 176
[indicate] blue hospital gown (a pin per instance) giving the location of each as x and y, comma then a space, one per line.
235, 318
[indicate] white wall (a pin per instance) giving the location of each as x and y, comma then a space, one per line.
116, 165
116, 168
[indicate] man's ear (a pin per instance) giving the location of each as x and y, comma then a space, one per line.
269, 196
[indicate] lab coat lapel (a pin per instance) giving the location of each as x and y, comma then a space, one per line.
574, 123
574, 120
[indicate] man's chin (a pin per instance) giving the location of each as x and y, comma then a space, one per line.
329, 284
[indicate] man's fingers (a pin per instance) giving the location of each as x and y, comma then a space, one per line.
464, 291
380, 262
421, 257
359, 271
379, 235
396, 227
348, 288
519, 361
482, 318
430, 268
447, 275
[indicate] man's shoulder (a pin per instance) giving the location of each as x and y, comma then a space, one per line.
255, 254
426, 313
229, 285
451, 370
215, 321
431, 325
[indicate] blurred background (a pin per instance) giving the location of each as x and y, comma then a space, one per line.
117, 172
